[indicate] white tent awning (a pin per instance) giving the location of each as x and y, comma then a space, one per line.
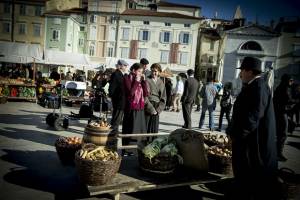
66, 58
20, 52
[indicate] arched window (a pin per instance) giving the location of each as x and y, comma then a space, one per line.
251, 46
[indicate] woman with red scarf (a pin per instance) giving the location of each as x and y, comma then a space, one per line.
135, 88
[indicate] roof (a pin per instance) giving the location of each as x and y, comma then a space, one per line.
169, 4
67, 12
250, 28
140, 12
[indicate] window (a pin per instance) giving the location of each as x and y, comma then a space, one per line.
212, 45
125, 34
93, 33
146, 22
165, 37
22, 29
127, 21
251, 46
167, 24
184, 38
183, 58
144, 35
22, 9
6, 27
164, 57
57, 21
56, 35
93, 19
92, 50
37, 30
142, 53
110, 52
187, 25
6, 8
210, 59
124, 52
82, 28
296, 50
38, 11
81, 42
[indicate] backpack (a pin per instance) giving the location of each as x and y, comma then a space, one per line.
210, 93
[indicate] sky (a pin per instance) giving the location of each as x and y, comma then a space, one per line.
264, 10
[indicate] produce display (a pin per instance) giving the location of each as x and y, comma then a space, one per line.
154, 148
68, 142
216, 139
98, 153
223, 152
19, 81
46, 80
101, 124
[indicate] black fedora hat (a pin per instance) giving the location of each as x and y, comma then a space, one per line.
251, 63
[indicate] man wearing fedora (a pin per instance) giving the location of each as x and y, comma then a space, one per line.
253, 134
116, 92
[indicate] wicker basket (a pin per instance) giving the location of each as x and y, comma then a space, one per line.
163, 163
66, 154
3, 99
219, 164
96, 172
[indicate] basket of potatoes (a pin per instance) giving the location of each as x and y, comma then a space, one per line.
96, 165
66, 148
219, 159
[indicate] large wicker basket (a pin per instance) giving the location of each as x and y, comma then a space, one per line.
219, 164
96, 172
66, 154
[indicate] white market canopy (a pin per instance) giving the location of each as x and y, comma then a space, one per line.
20, 52
65, 58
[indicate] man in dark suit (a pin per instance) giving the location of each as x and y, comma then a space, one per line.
116, 92
253, 134
189, 94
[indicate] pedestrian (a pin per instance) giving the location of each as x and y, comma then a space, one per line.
282, 99
144, 62
169, 88
136, 90
117, 94
226, 104
198, 97
208, 94
178, 91
188, 98
253, 134
156, 100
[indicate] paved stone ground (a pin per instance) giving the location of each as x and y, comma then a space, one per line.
30, 168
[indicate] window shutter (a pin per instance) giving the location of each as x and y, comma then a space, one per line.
170, 39
140, 35
161, 37
180, 38
149, 35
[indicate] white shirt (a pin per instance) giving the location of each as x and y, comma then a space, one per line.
179, 87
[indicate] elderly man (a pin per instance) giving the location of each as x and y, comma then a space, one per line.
116, 92
253, 133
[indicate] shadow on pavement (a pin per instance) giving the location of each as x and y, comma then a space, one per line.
294, 144
30, 135
43, 171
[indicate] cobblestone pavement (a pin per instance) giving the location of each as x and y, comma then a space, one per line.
30, 168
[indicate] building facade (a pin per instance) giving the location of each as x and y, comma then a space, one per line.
22, 21
251, 40
288, 60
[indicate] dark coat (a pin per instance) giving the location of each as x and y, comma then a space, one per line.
190, 90
116, 90
253, 133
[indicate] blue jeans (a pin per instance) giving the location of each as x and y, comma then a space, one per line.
210, 109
